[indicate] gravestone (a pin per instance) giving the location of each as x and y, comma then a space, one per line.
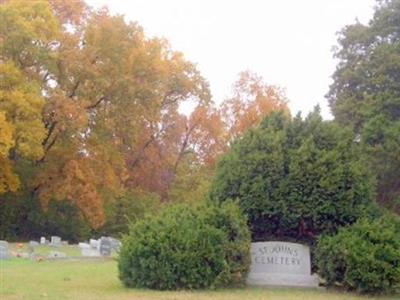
55, 241
281, 264
88, 251
4, 251
32, 245
105, 246
42, 240
94, 243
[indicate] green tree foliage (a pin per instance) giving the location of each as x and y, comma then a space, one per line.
22, 218
364, 257
366, 93
128, 209
295, 178
187, 247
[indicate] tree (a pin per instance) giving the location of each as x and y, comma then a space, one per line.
251, 101
295, 178
365, 94
21, 130
106, 96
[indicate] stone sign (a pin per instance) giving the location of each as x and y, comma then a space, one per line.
4, 251
105, 246
281, 264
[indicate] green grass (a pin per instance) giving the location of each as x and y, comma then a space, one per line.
97, 280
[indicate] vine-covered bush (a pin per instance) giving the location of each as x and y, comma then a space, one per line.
364, 257
186, 247
295, 178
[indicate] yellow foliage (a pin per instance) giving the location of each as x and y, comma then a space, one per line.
8, 180
6, 135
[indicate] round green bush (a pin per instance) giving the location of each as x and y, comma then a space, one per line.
295, 178
186, 247
364, 257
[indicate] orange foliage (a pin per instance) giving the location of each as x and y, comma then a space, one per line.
252, 100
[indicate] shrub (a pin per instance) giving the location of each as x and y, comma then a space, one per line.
295, 178
364, 257
186, 248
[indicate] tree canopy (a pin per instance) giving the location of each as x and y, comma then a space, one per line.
90, 110
295, 178
365, 94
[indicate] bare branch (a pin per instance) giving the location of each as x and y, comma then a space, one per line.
97, 103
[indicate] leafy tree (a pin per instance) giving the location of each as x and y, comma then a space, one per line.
21, 130
366, 93
252, 99
295, 178
99, 108
89, 110
126, 210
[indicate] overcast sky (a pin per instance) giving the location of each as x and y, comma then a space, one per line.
288, 42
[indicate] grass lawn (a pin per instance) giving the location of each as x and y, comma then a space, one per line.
97, 280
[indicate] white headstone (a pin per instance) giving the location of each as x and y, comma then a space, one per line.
4, 251
42, 240
94, 243
281, 264
88, 250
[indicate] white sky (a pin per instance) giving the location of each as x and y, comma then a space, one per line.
288, 42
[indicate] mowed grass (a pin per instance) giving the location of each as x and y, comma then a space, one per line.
98, 280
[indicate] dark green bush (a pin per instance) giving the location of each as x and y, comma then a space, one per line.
295, 178
186, 248
364, 257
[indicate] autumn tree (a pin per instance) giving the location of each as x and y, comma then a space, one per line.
89, 110
252, 99
107, 94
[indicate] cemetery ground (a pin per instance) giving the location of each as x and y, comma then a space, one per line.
22, 278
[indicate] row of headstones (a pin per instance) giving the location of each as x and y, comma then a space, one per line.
101, 247
95, 248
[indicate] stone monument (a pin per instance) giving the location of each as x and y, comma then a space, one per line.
105, 246
281, 264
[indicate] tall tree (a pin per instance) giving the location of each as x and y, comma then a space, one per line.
252, 99
106, 96
366, 93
